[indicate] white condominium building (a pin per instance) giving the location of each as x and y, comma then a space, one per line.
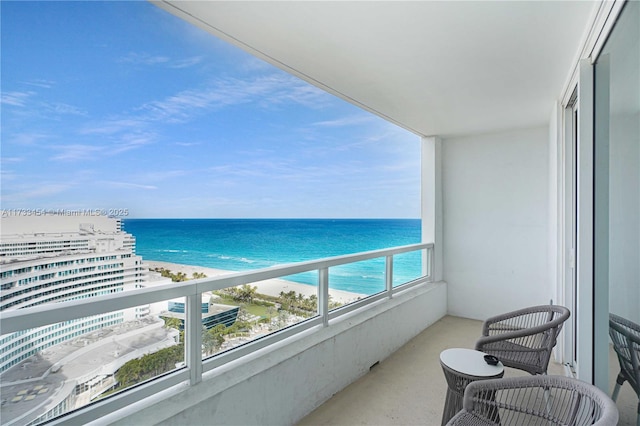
54, 258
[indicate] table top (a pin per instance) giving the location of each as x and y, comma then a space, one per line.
469, 362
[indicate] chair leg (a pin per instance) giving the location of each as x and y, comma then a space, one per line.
619, 381
616, 390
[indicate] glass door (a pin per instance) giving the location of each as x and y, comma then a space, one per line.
617, 197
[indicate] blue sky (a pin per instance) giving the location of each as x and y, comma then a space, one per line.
121, 105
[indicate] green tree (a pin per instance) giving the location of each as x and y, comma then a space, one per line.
149, 365
271, 310
313, 302
213, 338
246, 293
171, 322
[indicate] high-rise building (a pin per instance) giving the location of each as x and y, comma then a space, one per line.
54, 258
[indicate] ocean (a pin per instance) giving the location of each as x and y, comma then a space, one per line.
245, 244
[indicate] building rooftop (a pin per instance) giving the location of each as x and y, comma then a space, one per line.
42, 381
17, 225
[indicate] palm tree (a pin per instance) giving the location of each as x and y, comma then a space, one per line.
172, 322
210, 341
246, 293
313, 302
270, 311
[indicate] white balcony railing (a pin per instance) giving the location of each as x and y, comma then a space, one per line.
195, 365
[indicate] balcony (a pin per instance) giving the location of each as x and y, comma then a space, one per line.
343, 341
373, 361
409, 387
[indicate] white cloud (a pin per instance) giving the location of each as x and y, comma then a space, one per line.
143, 59
37, 108
129, 185
11, 159
353, 120
84, 152
130, 141
186, 63
112, 126
45, 84
162, 175
16, 98
266, 90
76, 152
25, 138
64, 109
37, 190
152, 60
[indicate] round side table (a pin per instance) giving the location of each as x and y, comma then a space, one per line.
461, 367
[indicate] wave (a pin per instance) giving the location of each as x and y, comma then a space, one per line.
232, 258
356, 274
219, 256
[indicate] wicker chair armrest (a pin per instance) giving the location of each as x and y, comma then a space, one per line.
508, 335
626, 329
486, 326
615, 319
626, 344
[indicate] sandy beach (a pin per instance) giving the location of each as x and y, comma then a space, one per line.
271, 287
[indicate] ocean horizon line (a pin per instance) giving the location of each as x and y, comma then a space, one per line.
271, 218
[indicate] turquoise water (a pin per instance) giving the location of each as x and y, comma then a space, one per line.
244, 244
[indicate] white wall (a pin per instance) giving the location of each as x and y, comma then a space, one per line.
495, 208
280, 385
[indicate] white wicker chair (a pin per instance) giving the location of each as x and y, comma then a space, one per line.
523, 339
535, 400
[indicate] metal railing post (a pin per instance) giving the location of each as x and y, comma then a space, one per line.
432, 259
389, 275
193, 337
323, 296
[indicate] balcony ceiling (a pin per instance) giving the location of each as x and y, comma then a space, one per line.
435, 68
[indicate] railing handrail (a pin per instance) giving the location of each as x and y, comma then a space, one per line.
14, 320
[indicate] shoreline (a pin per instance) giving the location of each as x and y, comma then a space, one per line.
271, 287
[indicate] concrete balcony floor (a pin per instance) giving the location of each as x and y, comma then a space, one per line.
408, 388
